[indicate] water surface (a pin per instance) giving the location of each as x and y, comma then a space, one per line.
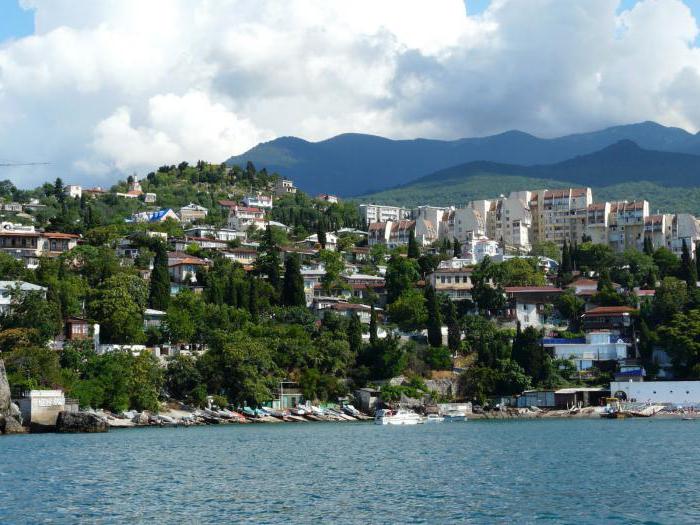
556, 471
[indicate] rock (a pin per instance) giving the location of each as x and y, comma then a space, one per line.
9, 425
5, 398
142, 419
80, 422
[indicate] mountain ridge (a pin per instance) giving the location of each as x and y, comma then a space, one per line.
355, 163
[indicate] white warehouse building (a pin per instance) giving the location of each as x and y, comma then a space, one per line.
658, 392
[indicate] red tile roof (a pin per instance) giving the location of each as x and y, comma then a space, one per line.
610, 310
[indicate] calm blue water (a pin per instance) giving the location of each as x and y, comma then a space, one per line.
565, 471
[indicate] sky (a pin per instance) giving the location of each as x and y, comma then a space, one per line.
100, 89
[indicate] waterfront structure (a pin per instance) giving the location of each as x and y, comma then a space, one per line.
684, 393
41, 407
371, 213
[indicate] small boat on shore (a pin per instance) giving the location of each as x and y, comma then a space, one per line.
434, 418
455, 415
398, 417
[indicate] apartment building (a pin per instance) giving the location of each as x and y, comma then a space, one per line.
396, 233
559, 215
620, 225
505, 219
378, 213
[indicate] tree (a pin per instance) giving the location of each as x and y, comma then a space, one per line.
321, 234
30, 310
409, 310
571, 308
477, 383
648, 246
333, 265
434, 317
669, 300
293, 285
118, 306
252, 298
401, 274
681, 340
454, 334
159, 293
667, 262
413, 250
373, 337
529, 353
183, 380
268, 261
456, 248
688, 271
355, 333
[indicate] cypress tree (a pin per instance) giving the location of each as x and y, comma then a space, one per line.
565, 258
413, 251
373, 338
321, 234
454, 335
293, 285
252, 299
688, 271
648, 246
159, 293
355, 333
456, 248
434, 317
269, 259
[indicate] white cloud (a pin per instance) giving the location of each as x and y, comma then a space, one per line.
110, 87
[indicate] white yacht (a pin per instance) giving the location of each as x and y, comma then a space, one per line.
434, 418
455, 415
398, 417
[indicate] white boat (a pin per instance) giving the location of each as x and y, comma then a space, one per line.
455, 415
434, 418
398, 417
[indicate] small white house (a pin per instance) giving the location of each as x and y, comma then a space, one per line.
42, 406
587, 352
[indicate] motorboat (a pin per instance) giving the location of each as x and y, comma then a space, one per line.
351, 411
434, 418
453, 416
398, 417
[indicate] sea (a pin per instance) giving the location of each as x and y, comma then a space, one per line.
579, 471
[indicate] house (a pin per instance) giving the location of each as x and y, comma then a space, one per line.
241, 217
242, 254
258, 201
27, 244
154, 216
455, 281
475, 249
94, 192
589, 351
205, 243
221, 234
183, 268
192, 212
616, 318
149, 198
153, 318
14, 207
536, 398
531, 305
327, 198
347, 309
9, 288
77, 329
312, 241
73, 191
284, 187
